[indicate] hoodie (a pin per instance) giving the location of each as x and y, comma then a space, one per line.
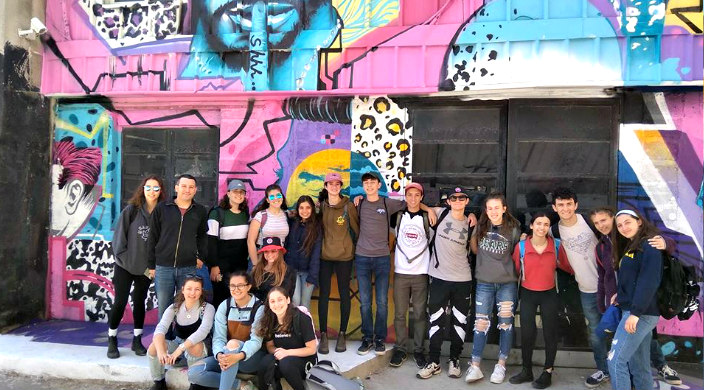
337, 223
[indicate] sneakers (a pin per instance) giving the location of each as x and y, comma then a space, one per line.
498, 375
323, 344
248, 385
596, 379
365, 347
420, 359
526, 375
137, 346
113, 353
397, 358
669, 375
544, 381
474, 373
454, 370
341, 344
429, 370
379, 347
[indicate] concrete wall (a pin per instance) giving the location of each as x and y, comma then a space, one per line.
24, 178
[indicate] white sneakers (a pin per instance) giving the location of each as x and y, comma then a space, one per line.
474, 374
429, 370
454, 370
498, 375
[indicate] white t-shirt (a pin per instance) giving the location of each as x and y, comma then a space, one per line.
580, 242
411, 242
276, 226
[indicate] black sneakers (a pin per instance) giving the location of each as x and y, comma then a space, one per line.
398, 358
366, 346
544, 381
379, 347
420, 359
526, 375
113, 353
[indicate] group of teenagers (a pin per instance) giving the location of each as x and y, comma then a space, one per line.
262, 269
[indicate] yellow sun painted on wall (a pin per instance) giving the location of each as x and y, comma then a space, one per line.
308, 177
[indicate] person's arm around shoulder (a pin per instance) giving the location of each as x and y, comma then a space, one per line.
252, 236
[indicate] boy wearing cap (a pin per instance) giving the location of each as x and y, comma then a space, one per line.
372, 257
227, 238
410, 275
450, 277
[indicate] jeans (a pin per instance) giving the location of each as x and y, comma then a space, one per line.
503, 295
303, 292
157, 369
657, 359
592, 315
632, 352
380, 268
167, 281
207, 373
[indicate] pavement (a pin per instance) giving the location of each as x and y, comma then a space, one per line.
76, 351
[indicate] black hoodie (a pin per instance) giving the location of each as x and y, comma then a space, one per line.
175, 240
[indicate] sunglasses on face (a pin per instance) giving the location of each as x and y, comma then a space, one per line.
152, 188
238, 286
277, 196
454, 198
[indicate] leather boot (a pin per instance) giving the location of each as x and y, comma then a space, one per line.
341, 345
113, 353
137, 346
323, 346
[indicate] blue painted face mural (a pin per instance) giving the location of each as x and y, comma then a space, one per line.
266, 44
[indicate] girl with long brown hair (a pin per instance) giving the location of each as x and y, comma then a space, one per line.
303, 249
272, 271
130, 248
289, 336
269, 219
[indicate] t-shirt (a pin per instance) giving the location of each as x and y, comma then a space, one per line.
289, 340
449, 261
374, 226
539, 268
412, 241
580, 244
494, 262
276, 226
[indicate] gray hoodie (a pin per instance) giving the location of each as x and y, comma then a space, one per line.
129, 243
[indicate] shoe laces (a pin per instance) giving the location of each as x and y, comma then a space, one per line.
599, 375
668, 371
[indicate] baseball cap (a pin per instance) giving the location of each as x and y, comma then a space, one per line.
459, 191
236, 185
370, 175
414, 185
333, 176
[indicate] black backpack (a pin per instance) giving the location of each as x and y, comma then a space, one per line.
678, 291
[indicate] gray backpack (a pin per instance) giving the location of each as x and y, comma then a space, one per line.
326, 375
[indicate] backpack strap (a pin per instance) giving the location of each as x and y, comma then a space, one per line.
229, 307
522, 254
555, 229
265, 216
556, 241
399, 217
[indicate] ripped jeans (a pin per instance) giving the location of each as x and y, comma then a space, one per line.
503, 295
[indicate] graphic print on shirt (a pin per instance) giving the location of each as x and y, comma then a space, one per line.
457, 236
380, 211
494, 242
413, 236
143, 232
581, 243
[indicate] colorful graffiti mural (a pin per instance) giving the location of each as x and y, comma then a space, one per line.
218, 64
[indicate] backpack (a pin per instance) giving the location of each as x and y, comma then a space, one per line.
253, 310
431, 244
426, 226
678, 290
326, 375
522, 253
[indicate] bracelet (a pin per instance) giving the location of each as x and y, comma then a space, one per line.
182, 346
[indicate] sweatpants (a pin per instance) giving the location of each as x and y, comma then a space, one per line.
448, 297
549, 306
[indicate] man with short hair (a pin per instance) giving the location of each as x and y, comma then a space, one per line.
410, 275
578, 237
177, 240
372, 258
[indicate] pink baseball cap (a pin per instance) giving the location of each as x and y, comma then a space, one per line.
332, 176
414, 185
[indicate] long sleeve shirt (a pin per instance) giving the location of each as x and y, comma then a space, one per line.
295, 256
175, 239
639, 276
251, 346
182, 319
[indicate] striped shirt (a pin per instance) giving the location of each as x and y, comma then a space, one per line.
276, 226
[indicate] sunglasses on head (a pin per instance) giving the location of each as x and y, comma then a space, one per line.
455, 198
152, 188
194, 277
277, 196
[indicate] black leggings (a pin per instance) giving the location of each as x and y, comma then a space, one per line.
291, 368
122, 280
549, 304
343, 271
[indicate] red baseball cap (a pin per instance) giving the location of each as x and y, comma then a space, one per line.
414, 185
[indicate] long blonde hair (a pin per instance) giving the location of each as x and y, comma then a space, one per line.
279, 271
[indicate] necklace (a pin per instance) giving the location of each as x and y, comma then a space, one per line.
188, 311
